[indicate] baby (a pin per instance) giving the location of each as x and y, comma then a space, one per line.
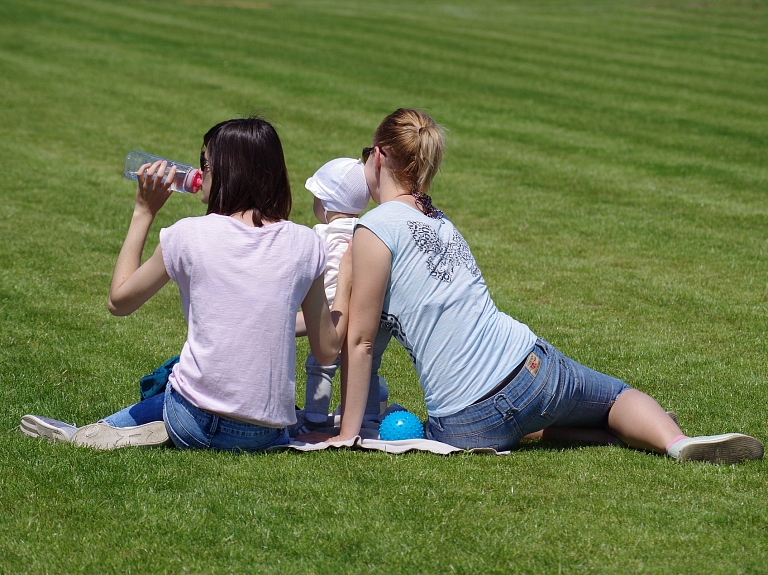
341, 193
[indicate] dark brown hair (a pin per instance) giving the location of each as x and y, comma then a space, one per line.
248, 170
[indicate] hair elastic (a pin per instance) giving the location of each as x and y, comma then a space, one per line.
425, 203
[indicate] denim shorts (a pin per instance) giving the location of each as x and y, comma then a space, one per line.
555, 392
190, 427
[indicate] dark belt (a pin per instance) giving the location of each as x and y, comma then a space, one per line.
512, 374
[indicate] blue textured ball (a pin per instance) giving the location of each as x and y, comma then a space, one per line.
401, 425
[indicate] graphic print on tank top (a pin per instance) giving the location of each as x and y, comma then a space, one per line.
443, 258
391, 323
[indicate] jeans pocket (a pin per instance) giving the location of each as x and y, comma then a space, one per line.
554, 399
189, 425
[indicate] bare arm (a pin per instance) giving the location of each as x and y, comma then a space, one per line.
301, 327
371, 263
134, 283
326, 328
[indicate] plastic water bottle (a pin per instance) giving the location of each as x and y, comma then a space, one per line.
188, 179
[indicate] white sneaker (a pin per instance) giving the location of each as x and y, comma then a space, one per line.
103, 436
304, 426
51, 429
727, 448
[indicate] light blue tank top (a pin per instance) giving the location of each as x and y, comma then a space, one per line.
438, 307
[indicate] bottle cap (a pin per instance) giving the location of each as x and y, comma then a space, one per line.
197, 182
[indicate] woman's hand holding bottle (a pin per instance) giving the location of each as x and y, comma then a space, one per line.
154, 188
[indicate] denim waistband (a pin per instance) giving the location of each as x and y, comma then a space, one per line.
211, 419
503, 383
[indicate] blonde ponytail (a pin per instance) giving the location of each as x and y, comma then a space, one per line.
429, 154
414, 145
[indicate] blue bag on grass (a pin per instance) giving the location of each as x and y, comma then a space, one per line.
154, 383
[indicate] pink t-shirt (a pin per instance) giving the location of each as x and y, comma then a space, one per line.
240, 290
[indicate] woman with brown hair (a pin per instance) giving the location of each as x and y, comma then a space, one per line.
243, 270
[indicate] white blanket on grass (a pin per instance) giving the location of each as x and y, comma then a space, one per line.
369, 439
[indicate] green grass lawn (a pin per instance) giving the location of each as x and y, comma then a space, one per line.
607, 162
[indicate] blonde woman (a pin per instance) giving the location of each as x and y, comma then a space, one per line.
488, 380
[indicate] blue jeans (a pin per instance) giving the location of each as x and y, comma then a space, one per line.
190, 427
562, 393
320, 378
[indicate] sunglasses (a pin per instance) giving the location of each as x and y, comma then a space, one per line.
366, 153
204, 164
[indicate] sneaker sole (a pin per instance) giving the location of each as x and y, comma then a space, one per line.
103, 436
728, 450
35, 427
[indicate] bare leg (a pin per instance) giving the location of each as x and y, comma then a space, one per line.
640, 422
